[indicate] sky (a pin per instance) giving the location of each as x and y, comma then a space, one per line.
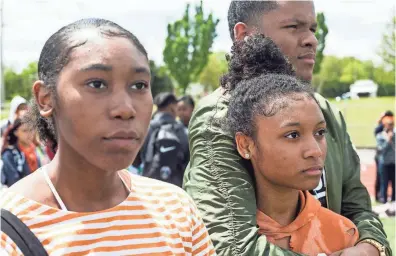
355, 26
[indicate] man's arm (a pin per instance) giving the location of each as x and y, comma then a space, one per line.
221, 187
379, 128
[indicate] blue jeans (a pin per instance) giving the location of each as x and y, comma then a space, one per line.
387, 173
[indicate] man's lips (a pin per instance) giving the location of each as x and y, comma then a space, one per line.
308, 58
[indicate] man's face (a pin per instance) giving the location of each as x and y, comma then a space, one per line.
292, 27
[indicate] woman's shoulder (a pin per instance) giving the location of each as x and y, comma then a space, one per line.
24, 188
147, 187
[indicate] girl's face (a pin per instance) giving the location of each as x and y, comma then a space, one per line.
24, 134
184, 111
104, 102
290, 146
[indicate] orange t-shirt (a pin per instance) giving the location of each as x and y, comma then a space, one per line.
315, 230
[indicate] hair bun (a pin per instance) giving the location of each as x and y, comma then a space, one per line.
254, 56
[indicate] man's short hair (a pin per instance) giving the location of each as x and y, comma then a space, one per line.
188, 100
164, 99
247, 12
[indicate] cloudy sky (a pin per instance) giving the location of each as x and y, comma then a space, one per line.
355, 26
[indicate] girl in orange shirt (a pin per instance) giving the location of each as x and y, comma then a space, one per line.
280, 129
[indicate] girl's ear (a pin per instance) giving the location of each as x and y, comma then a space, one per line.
244, 145
43, 98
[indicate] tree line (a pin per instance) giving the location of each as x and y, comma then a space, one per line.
188, 59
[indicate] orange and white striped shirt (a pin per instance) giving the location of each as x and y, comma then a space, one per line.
156, 219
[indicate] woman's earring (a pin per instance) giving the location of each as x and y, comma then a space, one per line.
247, 156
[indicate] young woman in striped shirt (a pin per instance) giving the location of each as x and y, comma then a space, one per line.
93, 102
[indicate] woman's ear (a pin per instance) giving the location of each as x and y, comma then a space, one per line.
43, 97
244, 145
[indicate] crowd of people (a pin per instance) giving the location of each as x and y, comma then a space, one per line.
262, 166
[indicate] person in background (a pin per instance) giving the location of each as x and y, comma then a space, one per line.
378, 129
185, 108
165, 153
41, 150
18, 153
18, 108
386, 157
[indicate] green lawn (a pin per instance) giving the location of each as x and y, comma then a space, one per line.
361, 116
4, 113
389, 225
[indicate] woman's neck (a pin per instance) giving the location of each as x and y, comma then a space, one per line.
24, 144
279, 203
82, 186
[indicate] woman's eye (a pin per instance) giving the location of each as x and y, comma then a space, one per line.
97, 84
293, 135
139, 86
321, 132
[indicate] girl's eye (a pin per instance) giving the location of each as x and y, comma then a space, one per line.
97, 84
321, 132
293, 135
292, 26
139, 86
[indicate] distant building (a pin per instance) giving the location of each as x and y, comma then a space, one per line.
363, 88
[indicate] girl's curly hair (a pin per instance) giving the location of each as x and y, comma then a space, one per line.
261, 81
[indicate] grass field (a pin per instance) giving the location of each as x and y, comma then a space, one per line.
4, 113
361, 116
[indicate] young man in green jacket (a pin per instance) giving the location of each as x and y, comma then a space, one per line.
218, 179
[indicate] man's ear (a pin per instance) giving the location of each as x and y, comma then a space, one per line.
43, 97
244, 145
241, 30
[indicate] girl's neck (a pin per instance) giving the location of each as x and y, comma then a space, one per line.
279, 203
24, 144
82, 186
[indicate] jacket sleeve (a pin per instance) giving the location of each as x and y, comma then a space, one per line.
356, 203
9, 170
378, 129
221, 187
382, 144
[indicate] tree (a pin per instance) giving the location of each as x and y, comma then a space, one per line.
211, 74
337, 74
321, 33
188, 45
20, 84
388, 45
160, 81
12, 83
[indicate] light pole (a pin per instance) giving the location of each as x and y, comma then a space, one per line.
2, 81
